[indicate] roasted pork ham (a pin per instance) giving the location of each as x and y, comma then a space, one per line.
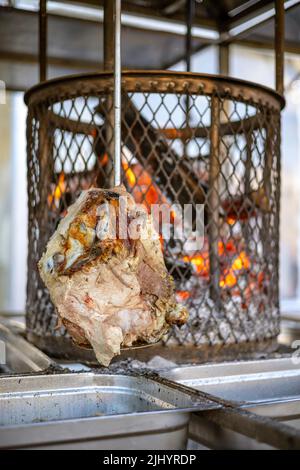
110, 290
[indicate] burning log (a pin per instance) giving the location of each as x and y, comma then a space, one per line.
109, 290
225, 128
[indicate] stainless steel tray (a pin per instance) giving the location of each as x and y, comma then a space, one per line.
289, 329
21, 356
88, 410
243, 382
268, 388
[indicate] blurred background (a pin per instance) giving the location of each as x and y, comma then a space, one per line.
76, 47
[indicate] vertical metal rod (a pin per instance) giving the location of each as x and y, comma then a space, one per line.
247, 179
225, 144
43, 40
279, 45
190, 11
224, 59
108, 53
108, 35
44, 128
269, 156
117, 95
213, 200
279, 66
248, 162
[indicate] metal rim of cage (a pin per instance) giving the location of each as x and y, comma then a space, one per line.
155, 80
43, 96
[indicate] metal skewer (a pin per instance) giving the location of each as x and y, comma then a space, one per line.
117, 94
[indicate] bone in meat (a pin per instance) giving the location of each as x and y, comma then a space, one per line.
110, 292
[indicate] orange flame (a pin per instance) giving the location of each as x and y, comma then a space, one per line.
182, 295
140, 181
104, 159
58, 191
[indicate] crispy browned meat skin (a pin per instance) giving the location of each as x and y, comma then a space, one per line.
109, 292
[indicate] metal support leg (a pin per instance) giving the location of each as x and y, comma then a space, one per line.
213, 200
43, 40
279, 45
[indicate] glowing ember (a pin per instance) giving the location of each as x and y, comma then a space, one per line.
231, 221
58, 191
240, 262
104, 160
229, 280
226, 248
229, 277
182, 295
200, 263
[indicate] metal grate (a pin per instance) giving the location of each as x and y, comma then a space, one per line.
186, 139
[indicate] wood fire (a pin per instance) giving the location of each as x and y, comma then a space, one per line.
234, 260
145, 191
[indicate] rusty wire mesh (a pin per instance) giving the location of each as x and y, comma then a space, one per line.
186, 138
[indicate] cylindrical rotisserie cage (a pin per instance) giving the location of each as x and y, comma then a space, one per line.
186, 139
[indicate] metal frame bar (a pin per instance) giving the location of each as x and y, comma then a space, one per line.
249, 15
279, 45
190, 13
108, 35
260, 428
224, 56
243, 11
43, 40
213, 199
173, 7
247, 25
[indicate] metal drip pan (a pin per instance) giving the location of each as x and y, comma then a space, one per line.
269, 389
94, 411
245, 382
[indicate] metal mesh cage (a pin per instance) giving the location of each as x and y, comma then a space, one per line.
186, 139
